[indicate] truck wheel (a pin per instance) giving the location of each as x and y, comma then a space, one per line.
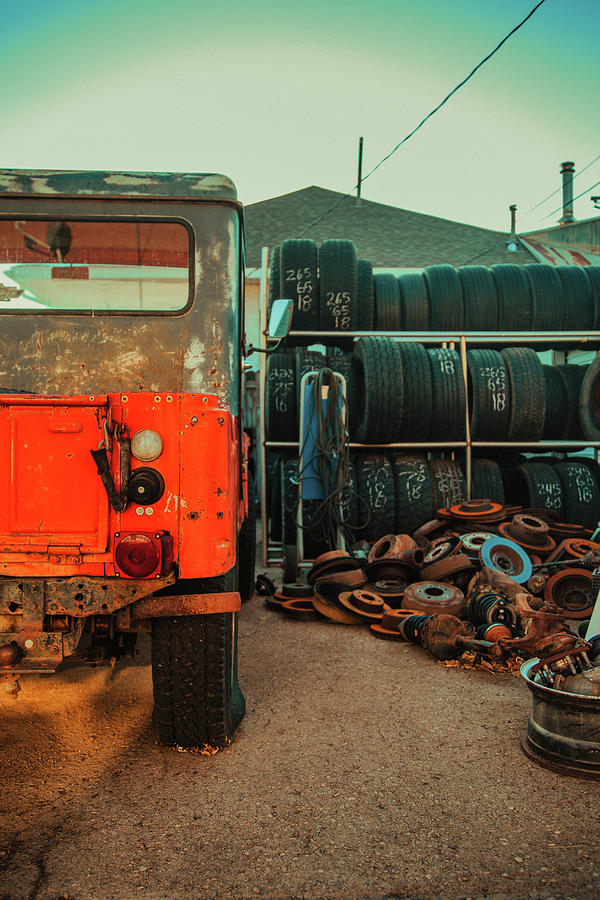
197, 699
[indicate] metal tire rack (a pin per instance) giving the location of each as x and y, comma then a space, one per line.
566, 340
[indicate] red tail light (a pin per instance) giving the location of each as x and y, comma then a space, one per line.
139, 555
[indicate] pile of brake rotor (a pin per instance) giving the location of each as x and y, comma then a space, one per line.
496, 580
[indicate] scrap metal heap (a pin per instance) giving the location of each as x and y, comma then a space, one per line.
503, 583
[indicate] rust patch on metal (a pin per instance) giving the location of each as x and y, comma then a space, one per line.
186, 605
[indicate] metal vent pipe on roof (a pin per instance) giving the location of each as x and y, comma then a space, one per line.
567, 170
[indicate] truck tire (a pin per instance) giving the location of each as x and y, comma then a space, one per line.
556, 419
197, 698
376, 487
581, 493
365, 314
572, 376
528, 394
339, 283
589, 402
446, 304
274, 277
414, 498
388, 315
448, 418
414, 302
299, 282
593, 276
515, 299
281, 418
578, 298
480, 298
548, 302
536, 485
447, 482
489, 395
416, 412
379, 390
486, 481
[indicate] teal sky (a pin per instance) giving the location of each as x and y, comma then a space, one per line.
276, 95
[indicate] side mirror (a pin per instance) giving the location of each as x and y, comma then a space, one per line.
280, 320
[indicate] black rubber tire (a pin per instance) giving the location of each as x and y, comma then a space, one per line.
365, 314
548, 300
353, 511
573, 376
375, 481
306, 361
489, 395
581, 493
343, 363
414, 495
578, 299
528, 394
300, 283
448, 418
589, 402
247, 545
556, 419
447, 483
281, 418
414, 302
388, 313
515, 299
379, 390
338, 288
446, 305
480, 298
486, 481
536, 485
197, 698
417, 405
274, 277
593, 276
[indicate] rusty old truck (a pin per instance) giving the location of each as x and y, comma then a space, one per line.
123, 489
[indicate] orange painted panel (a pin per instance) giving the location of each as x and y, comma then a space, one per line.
51, 493
209, 488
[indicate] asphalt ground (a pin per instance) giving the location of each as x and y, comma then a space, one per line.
363, 769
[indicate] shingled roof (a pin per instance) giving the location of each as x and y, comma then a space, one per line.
388, 236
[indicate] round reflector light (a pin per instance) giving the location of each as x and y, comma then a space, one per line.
137, 555
146, 445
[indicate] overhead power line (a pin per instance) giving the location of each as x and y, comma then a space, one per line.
423, 121
577, 174
559, 208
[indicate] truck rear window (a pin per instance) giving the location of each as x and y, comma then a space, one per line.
86, 266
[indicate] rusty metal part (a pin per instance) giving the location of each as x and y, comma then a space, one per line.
352, 578
393, 617
332, 567
434, 597
10, 654
536, 584
363, 603
296, 591
325, 601
529, 532
79, 596
186, 605
507, 557
545, 622
385, 634
562, 530
562, 732
473, 541
391, 546
392, 591
579, 547
275, 601
485, 607
299, 609
329, 555
442, 636
475, 509
428, 531
493, 632
264, 585
390, 569
440, 550
447, 568
571, 590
